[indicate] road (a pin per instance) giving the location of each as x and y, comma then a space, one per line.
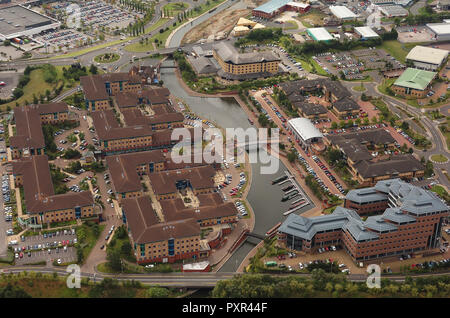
433, 132
417, 6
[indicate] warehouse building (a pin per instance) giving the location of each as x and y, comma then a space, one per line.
393, 11
427, 58
413, 83
343, 13
366, 33
411, 223
441, 31
319, 34
17, 21
272, 8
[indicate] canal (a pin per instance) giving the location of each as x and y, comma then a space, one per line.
264, 197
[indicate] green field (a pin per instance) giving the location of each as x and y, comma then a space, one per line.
175, 8
397, 49
138, 47
359, 88
162, 37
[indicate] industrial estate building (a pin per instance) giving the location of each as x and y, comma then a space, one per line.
343, 13
17, 21
410, 223
366, 33
272, 8
319, 34
441, 31
427, 58
413, 83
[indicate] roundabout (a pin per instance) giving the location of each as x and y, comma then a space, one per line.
107, 58
439, 159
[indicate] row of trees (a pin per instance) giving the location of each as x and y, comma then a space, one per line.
326, 284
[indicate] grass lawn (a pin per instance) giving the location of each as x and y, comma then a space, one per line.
162, 37
439, 158
359, 88
35, 86
175, 7
290, 25
87, 238
439, 190
397, 49
138, 47
385, 84
90, 49
312, 19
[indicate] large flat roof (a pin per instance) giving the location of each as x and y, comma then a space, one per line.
272, 6
366, 32
320, 34
427, 55
305, 128
16, 19
415, 78
342, 12
439, 28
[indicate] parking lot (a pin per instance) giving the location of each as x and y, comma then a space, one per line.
61, 38
99, 14
61, 256
354, 64
10, 80
408, 34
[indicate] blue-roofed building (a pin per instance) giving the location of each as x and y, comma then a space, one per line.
411, 222
274, 7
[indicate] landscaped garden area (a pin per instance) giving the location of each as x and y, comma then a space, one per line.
107, 58
440, 158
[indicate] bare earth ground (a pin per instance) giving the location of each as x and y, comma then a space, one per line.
222, 22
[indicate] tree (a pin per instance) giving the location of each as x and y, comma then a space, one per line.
334, 125
291, 156
157, 292
113, 258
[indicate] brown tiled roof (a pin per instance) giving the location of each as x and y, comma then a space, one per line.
28, 124
199, 178
346, 104
123, 168
310, 109
38, 187
126, 99
134, 117
374, 136
394, 165
145, 226
94, 85
107, 127
211, 206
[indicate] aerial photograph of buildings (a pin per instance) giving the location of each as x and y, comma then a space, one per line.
211, 149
